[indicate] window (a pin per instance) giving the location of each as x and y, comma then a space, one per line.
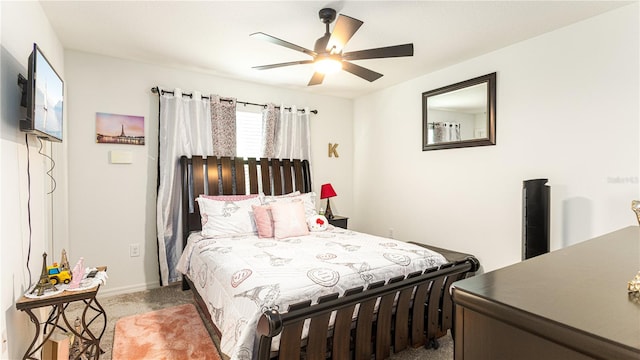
248, 134
249, 139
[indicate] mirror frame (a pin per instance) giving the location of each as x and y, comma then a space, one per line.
490, 80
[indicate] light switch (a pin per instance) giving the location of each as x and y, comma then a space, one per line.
120, 157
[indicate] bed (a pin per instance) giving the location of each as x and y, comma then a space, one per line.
334, 293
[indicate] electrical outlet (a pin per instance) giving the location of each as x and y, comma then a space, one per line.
134, 250
390, 233
4, 342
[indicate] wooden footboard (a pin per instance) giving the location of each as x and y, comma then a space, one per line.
411, 311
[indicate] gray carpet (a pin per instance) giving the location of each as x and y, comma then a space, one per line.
120, 306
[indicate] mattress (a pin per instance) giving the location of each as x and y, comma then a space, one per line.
241, 277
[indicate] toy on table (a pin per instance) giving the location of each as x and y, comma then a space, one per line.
78, 274
44, 283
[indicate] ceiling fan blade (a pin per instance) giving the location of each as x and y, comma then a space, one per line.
364, 73
275, 40
344, 29
316, 79
265, 67
383, 52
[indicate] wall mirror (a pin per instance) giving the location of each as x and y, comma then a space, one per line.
460, 115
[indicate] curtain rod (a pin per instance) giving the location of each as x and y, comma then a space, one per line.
156, 90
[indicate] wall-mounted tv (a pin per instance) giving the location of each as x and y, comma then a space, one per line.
43, 96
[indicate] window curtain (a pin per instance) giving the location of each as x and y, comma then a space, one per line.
445, 132
454, 132
185, 129
269, 119
293, 140
223, 125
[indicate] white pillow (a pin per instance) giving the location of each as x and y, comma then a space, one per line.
226, 218
268, 199
308, 200
203, 216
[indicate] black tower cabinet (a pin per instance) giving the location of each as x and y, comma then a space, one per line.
535, 217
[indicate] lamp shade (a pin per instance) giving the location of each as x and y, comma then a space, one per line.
326, 191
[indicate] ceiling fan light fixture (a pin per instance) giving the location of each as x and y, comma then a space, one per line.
327, 55
328, 64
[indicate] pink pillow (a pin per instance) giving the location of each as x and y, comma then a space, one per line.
289, 219
264, 220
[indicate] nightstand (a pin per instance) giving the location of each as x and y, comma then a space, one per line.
339, 221
90, 326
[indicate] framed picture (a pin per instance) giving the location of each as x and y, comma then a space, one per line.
119, 129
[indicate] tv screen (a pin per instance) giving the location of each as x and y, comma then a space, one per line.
45, 97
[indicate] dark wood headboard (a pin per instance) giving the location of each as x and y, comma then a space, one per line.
236, 176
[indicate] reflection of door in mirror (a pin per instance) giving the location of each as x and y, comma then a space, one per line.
457, 115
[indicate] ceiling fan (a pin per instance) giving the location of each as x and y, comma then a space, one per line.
327, 53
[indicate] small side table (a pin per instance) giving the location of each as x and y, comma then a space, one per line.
339, 221
91, 315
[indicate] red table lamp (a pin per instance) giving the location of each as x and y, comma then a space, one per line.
326, 192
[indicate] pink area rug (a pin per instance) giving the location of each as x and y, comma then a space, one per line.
173, 333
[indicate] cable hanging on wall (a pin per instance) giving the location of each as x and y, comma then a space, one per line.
157, 90
26, 141
53, 165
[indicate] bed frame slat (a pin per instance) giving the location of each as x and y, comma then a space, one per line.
198, 182
213, 178
240, 186
291, 335
288, 181
403, 305
383, 325
417, 316
342, 328
276, 173
363, 325
227, 176
433, 307
188, 202
252, 169
297, 173
264, 170
446, 305
317, 344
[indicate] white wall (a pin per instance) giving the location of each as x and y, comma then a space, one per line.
22, 24
112, 206
567, 110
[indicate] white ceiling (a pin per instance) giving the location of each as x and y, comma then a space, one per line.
213, 36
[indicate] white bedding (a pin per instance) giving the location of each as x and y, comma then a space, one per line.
240, 277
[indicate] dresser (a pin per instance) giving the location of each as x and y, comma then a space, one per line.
568, 304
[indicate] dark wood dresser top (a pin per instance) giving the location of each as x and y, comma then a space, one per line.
580, 289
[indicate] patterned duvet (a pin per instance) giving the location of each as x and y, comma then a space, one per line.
240, 277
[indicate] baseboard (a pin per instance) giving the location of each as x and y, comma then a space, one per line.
106, 291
